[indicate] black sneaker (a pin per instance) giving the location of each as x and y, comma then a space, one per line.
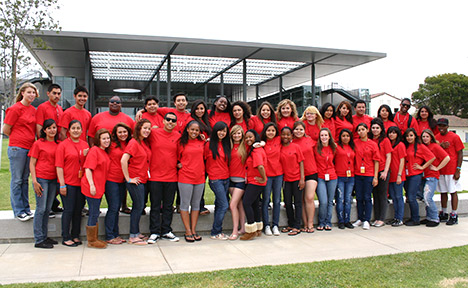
51, 241
397, 223
424, 222
57, 209
44, 245
443, 216
51, 214
23, 217
341, 225
453, 219
432, 223
412, 223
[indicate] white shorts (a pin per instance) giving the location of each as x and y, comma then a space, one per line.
448, 185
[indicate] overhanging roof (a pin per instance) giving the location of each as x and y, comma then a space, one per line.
115, 57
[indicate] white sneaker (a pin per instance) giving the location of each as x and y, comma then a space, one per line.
171, 237
366, 225
276, 231
153, 238
268, 231
358, 223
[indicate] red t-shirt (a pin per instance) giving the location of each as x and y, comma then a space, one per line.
105, 120
47, 111
455, 145
325, 162
341, 124
423, 125
182, 117
193, 164
330, 124
385, 147
344, 161
256, 158
273, 151
402, 122
163, 163
22, 120
44, 152
115, 167
422, 155
69, 156
286, 121
440, 155
291, 156
220, 117
236, 167
156, 119
312, 131
306, 144
138, 165
202, 131
366, 153
98, 161
387, 124
73, 113
360, 119
216, 168
399, 152
256, 124
244, 126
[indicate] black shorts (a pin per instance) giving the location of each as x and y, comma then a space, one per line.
239, 185
312, 177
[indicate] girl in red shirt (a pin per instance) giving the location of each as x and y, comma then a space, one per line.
292, 161
256, 181
328, 114
426, 120
69, 161
240, 115
418, 158
199, 113
265, 114
397, 174
286, 114
381, 190
220, 111
93, 183
44, 178
135, 167
310, 170
344, 117
386, 115
313, 122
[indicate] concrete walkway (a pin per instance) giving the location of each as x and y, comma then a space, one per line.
22, 262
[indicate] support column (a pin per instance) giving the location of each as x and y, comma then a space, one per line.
244, 80
281, 87
169, 81
257, 88
158, 85
206, 94
313, 85
222, 84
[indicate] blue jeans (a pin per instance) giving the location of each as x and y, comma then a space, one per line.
114, 192
344, 190
220, 189
274, 185
411, 187
93, 205
431, 207
72, 203
137, 193
396, 193
326, 193
43, 206
364, 197
19, 168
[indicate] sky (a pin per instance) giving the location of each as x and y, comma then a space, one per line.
420, 38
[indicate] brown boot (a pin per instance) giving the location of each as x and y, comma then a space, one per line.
259, 228
250, 232
91, 235
97, 235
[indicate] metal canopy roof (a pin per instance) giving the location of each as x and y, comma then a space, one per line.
116, 58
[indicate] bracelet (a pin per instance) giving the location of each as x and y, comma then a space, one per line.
459, 168
64, 186
129, 181
399, 174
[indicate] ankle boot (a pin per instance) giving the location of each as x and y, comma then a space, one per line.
250, 232
97, 236
91, 235
259, 228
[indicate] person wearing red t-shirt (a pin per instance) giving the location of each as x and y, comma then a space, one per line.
292, 162
360, 116
328, 114
69, 160
135, 167
286, 114
397, 174
150, 112
76, 112
93, 183
183, 117
344, 117
418, 158
431, 175
256, 181
163, 181
403, 119
49, 109
426, 120
240, 115
313, 122
366, 170
265, 114
44, 178
380, 191
20, 126
274, 172
108, 119
310, 170
218, 156
386, 115
324, 153
344, 167
115, 184
191, 178
450, 174
220, 111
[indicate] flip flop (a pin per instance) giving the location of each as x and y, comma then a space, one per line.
286, 230
189, 238
294, 232
139, 242
320, 228
233, 237
328, 228
310, 230
197, 237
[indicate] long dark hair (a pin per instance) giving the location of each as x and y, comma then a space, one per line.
213, 107
115, 139
324, 108
390, 113
351, 141
225, 142
246, 111
398, 132
203, 122
184, 138
47, 123
430, 117
348, 117
416, 139
138, 126
382, 135
272, 112
263, 136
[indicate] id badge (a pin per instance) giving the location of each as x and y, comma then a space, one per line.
348, 173
80, 173
149, 175
363, 169
327, 177
406, 171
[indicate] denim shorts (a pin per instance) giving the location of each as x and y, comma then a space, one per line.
239, 185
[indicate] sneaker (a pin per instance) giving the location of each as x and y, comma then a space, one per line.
357, 223
341, 226
349, 225
453, 219
220, 236
424, 222
57, 209
23, 217
412, 223
268, 231
432, 223
30, 214
276, 231
373, 223
51, 215
44, 245
443, 216
366, 225
153, 238
379, 223
50, 241
397, 223
171, 237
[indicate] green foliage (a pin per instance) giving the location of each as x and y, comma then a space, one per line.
445, 94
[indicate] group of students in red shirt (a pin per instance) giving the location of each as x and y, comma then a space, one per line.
328, 153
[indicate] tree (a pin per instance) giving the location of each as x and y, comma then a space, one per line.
445, 94
18, 18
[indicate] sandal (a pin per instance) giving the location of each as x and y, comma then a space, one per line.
233, 237
114, 241
310, 230
328, 228
286, 229
142, 237
77, 241
126, 210
197, 237
304, 229
72, 244
205, 212
189, 238
320, 228
294, 232
121, 239
137, 241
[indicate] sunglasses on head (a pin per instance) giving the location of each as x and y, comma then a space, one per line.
173, 120
114, 101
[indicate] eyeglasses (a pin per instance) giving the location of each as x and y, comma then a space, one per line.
114, 102
406, 105
173, 120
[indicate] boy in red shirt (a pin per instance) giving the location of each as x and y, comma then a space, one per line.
76, 112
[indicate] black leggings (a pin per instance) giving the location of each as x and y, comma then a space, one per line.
290, 190
251, 203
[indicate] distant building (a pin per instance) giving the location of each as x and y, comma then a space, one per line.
380, 99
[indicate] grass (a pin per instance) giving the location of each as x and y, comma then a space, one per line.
437, 268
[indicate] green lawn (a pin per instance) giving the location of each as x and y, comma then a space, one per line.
437, 268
